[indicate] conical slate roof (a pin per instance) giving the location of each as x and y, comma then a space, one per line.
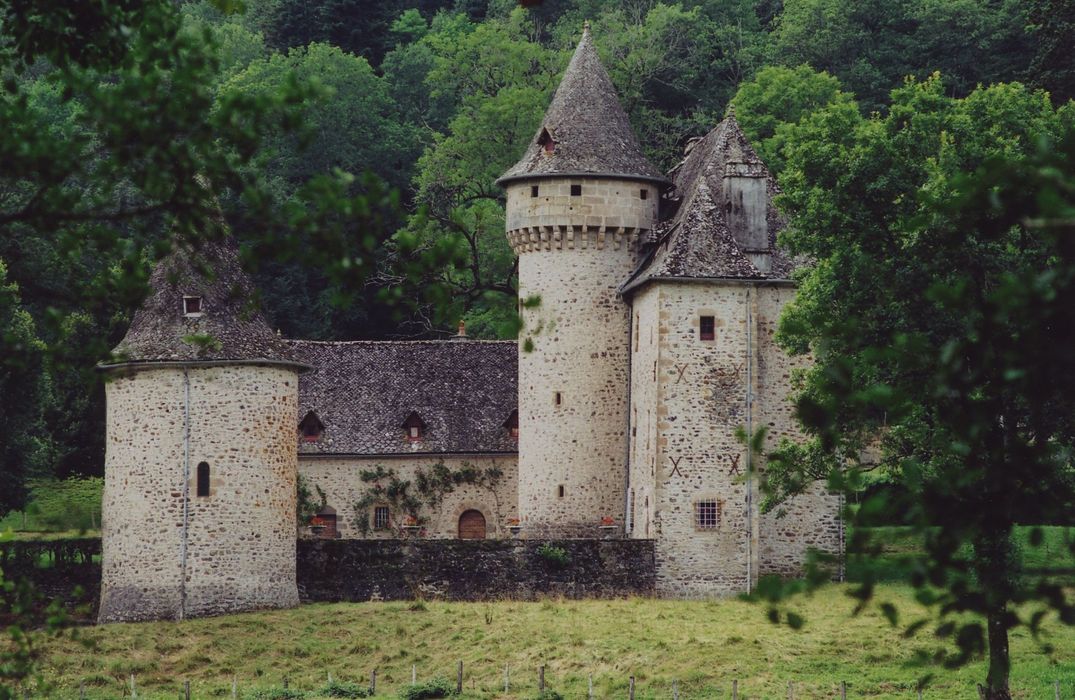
696, 242
589, 130
228, 326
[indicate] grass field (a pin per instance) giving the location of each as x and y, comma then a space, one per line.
702, 645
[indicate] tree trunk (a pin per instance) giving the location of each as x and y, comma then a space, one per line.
996, 572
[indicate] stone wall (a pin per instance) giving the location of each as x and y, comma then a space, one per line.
358, 570
811, 521
573, 253
700, 396
237, 551
340, 479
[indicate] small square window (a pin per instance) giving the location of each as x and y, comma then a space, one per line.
380, 518
576, 190
192, 306
643, 194
707, 515
533, 190
706, 328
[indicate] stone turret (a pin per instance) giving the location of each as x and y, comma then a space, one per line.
578, 202
200, 466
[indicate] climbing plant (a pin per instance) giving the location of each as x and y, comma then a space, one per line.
409, 502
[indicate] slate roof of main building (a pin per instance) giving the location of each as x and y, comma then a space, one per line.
694, 241
590, 131
363, 391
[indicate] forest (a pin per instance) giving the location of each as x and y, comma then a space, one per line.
355, 146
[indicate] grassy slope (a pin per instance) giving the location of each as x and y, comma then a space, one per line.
703, 645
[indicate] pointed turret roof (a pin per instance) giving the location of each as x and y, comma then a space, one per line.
585, 130
221, 326
695, 242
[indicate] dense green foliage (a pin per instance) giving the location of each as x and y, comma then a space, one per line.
938, 311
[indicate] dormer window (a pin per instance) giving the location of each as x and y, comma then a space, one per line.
192, 306
415, 427
546, 142
311, 428
512, 424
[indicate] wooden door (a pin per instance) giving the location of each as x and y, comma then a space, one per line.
472, 525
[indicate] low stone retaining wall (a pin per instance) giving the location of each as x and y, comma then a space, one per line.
358, 570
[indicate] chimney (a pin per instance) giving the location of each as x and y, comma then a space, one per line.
746, 204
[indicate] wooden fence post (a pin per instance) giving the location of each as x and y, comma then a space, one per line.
675, 690
919, 692
373, 682
735, 690
843, 690
791, 691
414, 674
134, 690
507, 680
631, 688
234, 687
541, 679
82, 690
459, 678
285, 682
186, 690
1056, 689
589, 692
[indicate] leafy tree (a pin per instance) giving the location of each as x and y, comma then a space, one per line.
938, 311
1053, 25
871, 45
769, 106
22, 413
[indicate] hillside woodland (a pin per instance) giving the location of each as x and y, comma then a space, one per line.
415, 107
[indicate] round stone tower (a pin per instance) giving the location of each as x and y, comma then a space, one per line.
578, 203
201, 459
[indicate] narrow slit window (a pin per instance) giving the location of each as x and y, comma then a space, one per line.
558, 399
533, 190
560, 491
203, 479
707, 515
380, 518
706, 328
192, 306
576, 190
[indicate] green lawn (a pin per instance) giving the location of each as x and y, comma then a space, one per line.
900, 549
702, 645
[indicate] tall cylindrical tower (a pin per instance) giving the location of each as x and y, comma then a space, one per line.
577, 205
201, 458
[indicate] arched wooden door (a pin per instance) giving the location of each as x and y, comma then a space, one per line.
472, 525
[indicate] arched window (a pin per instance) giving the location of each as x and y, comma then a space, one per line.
203, 478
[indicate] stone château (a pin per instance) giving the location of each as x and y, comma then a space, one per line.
647, 342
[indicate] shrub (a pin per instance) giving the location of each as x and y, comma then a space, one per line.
344, 689
278, 694
436, 688
548, 694
556, 556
